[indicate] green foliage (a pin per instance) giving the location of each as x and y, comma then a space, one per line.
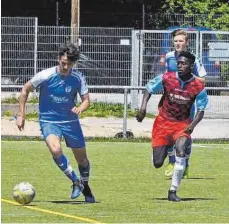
8, 113
33, 115
10, 100
33, 100
214, 13
107, 110
96, 109
225, 71
14, 100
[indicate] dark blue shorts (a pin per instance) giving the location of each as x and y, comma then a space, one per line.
71, 132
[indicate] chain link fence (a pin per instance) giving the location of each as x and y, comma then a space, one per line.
116, 57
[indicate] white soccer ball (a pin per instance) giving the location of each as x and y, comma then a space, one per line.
24, 193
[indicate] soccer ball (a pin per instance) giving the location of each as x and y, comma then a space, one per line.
23, 193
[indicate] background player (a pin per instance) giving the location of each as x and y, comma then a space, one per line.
173, 124
181, 42
58, 115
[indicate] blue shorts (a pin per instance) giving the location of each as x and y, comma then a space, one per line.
71, 132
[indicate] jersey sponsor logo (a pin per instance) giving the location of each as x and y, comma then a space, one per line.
179, 99
59, 99
68, 89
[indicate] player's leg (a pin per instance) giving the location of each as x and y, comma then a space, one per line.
159, 155
179, 167
84, 168
52, 135
189, 147
160, 140
75, 140
187, 156
172, 159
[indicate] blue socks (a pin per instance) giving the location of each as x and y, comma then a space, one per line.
63, 163
172, 159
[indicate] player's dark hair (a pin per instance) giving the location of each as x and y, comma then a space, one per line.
70, 50
188, 55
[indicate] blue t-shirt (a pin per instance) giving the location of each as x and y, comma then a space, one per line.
58, 93
171, 65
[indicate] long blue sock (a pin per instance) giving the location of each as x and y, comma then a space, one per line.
171, 154
172, 159
63, 163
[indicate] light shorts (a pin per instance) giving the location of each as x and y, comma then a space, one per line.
71, 132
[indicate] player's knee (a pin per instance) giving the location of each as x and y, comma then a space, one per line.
159, 155
158, 163
55, 149
83, 161
181, 145
180, 153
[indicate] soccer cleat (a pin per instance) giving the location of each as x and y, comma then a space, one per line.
186, 173
172, 196
169, 169
77, 188
89, 197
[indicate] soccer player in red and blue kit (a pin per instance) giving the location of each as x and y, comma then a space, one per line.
181, 42
173, 124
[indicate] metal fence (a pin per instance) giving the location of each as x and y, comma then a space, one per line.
211, 47
110, 57
28, 48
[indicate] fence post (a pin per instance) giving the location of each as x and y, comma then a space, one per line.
135, 68
125, 112
35, 45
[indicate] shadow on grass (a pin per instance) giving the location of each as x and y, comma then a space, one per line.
68, 202
187, 199
195, 178
200, 178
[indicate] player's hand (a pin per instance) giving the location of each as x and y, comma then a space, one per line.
20, 122
189, 129
76, 110
141, 115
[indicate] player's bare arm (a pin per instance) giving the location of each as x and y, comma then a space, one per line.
142, 112
22, 101
83, 106
199, 116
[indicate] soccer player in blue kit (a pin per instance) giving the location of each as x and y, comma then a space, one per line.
181, 41
58, 115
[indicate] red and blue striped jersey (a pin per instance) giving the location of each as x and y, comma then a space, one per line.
179, 96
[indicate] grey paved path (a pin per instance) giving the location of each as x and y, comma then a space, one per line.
108, 127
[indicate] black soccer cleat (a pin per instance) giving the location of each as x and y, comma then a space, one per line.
172, 196
89, 197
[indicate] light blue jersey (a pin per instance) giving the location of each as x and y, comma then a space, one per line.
58, 93
171, 65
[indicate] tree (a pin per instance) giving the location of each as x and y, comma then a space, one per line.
213, 13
